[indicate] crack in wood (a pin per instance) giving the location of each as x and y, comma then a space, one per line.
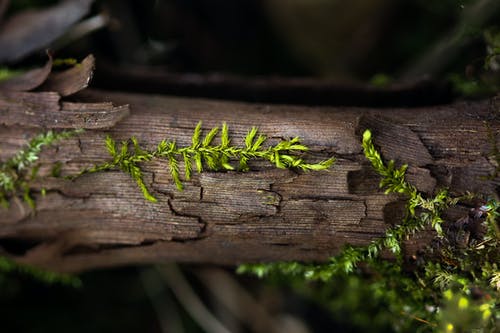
203, 224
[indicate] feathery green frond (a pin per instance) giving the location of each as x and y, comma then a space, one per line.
195, 140
225, 136
111, 145
19, 170
8, 266
470, 269
205, 154
249, 138
188, 165
210, 137
174, 172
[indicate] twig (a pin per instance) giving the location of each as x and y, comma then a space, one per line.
187, 297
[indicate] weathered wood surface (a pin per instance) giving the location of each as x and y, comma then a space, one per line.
102, 220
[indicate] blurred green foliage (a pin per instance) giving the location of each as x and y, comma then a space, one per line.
420, 298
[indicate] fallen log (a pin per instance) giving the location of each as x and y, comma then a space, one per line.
266, 214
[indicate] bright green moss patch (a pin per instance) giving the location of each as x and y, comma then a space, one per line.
466, 270
203, 154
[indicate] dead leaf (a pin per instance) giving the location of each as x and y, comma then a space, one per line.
28, 80
72, 80
32, 30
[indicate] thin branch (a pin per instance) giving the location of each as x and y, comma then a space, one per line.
191, 302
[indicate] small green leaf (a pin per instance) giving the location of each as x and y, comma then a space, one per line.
135, 143
174, 172
367, 136
250, 137
243, 163
277, 161
188, 167
258, 143
123, 152
323, 165
111, 146
162, 148
227, 166
196, 136
197, 160
148, 196
225, 136
438, 228
210, 137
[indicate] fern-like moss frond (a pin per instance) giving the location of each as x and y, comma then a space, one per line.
203, 153
16, 172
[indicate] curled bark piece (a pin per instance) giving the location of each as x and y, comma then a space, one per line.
71, 80
43, 109
29, 80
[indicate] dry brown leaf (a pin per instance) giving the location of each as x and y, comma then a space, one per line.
28, 80
72, 80
32, 30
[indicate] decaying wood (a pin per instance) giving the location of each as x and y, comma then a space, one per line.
102, 219
44, 108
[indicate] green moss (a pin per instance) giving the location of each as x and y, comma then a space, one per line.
495, 151
17, 172
59, 62
8, 266
381, 80
6, 73
444, 268
492, 39
202, 153
421, 296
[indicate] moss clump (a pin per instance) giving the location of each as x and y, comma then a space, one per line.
17, 172
421, 295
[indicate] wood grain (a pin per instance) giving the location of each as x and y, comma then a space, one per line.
102, 220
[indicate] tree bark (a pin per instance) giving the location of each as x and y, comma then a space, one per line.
266, 214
